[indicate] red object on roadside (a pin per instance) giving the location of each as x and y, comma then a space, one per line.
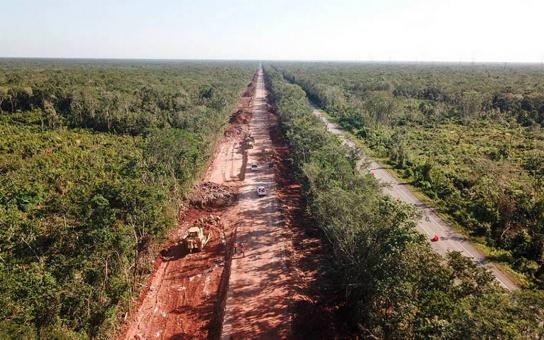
435, 238
243, 249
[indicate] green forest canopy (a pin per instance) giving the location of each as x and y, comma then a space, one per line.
95, 157
389, 281
470, 136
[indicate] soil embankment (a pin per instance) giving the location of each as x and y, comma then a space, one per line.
181, 294
275, 289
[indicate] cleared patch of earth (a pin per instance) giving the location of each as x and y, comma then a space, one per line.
180, 298
279, 287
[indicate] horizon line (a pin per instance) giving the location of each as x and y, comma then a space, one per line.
280, 60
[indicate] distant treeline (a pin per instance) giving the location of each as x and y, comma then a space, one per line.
492, 91
123, 99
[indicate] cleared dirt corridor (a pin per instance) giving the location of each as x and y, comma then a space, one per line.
182, 294
221, 293
258, 297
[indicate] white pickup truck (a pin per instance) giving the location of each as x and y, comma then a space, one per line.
261, 191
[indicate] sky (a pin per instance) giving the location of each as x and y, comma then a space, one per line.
355, 30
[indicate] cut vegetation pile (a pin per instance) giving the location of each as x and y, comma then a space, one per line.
212, 225
211, 195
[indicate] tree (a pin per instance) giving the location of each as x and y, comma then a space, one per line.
4, 96
52, 118
382, 106
397, 150
534, 163
470, 102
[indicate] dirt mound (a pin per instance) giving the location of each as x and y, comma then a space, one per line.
211, 195
233, 130
241, 116
207, 221
243, 112
245, 102
250, 90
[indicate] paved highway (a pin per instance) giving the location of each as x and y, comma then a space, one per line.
430, 224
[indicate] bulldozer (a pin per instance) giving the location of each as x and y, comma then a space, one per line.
195, 239
248, 141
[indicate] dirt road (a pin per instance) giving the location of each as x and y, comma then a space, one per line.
181, 296
269, 291
430, 223
259, 291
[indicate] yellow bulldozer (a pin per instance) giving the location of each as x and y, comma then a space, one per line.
196, 239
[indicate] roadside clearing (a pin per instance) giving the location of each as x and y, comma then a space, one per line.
181, 297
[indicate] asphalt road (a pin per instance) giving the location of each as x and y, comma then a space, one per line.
430, 224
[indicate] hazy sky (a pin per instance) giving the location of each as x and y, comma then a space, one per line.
396, 30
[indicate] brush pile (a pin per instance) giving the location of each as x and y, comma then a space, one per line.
211, 195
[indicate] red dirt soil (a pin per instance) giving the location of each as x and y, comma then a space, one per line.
180, 297
314, 302
192, 296
259, 287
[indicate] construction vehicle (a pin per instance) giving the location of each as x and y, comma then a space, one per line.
195, 239
261, 191
248, 141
